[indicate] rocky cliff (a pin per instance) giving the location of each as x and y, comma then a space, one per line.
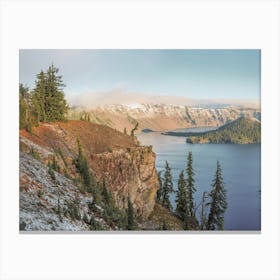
131, 171
128, 169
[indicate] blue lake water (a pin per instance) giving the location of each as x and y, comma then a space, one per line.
241, 168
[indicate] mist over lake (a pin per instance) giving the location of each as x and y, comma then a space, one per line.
241, 166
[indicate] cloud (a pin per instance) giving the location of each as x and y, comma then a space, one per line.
121, 95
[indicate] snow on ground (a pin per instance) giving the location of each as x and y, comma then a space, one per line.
41, 196
44, 152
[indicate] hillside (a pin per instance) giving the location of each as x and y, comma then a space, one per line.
51, 193
241, 131
160, 117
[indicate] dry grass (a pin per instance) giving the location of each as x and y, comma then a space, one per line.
93, 137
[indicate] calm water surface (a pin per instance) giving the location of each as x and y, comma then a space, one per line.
240, 169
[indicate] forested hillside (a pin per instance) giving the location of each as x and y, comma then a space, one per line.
241, 131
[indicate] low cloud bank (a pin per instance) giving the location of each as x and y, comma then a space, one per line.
91, 100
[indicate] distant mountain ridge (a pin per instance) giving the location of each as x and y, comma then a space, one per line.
160, 116
244, 130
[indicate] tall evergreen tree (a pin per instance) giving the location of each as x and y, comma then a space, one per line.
218, 203
203, 218
181, 197
190, 185
39, 96
24, 106
27, 113
55, 103
83, 168
167, 187
46, 103
107, 196
159, 191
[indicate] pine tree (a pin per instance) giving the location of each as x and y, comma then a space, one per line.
23, 106
55, 103
54, 165
218, 203
181, 197
39, 96
27, 114
203, 219
159, 191
130, 215
186, 222
80, 158
106, 194
167, 187
87, 177
46, 103
48, 97
190, 185
81, 164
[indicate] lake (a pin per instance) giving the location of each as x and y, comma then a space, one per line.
241, 167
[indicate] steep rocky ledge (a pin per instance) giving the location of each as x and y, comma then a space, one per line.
127, 167
132, 172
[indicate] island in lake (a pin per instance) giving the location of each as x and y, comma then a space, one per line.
241, 131
244, 130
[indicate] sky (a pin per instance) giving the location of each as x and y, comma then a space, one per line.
199, 74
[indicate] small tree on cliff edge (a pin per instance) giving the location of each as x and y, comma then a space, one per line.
134, 129
218, 203
167, 187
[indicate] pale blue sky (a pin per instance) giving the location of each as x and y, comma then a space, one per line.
205, 74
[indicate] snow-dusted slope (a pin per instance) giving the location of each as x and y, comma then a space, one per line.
42, 198
162, 116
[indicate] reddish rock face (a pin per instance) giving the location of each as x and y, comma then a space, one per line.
129, 169
129, 172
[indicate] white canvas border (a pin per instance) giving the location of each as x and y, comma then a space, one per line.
156, 24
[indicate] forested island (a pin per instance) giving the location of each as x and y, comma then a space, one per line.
241, 131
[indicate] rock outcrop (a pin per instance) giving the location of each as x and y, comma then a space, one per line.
129, 172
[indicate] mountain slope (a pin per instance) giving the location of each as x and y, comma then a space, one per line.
115, 157
241, 131
41, 199
51, 193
